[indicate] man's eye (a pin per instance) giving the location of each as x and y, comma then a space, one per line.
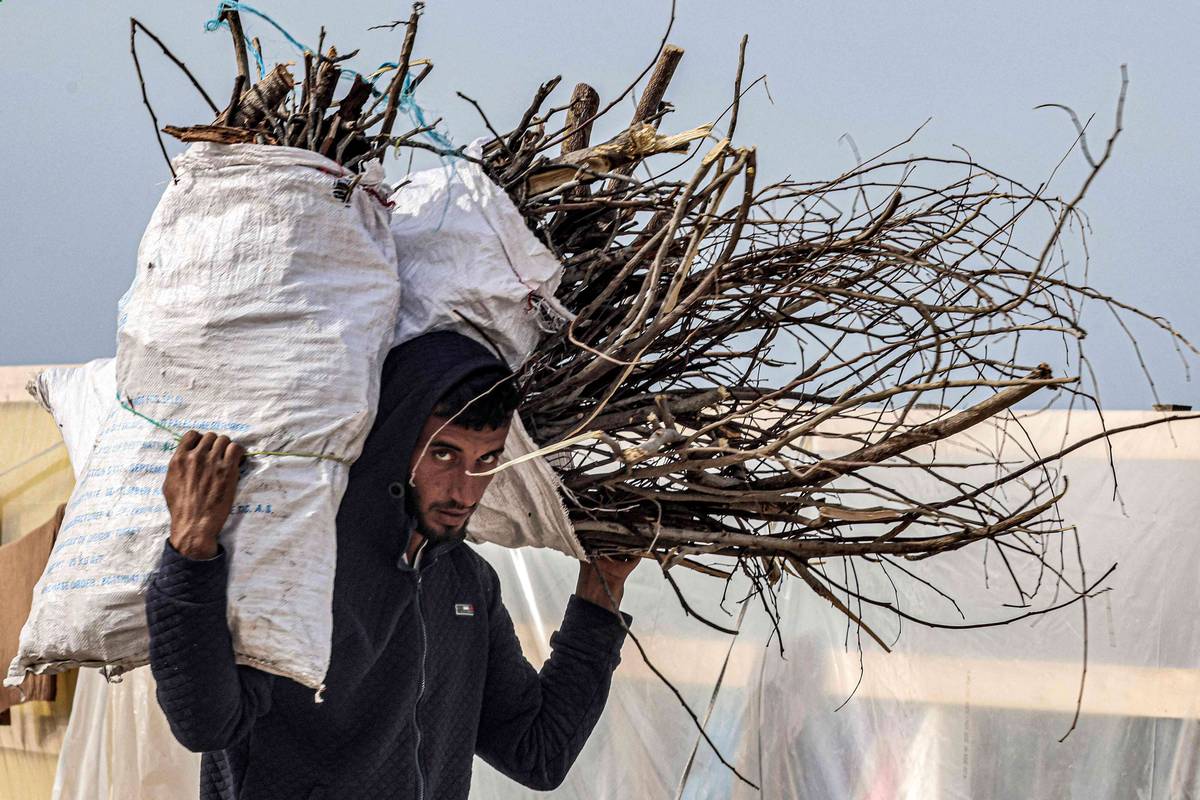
444, 456
490, 458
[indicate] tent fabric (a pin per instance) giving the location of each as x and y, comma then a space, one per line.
30, 745
118, 745
35, 474
35, 479
950, 713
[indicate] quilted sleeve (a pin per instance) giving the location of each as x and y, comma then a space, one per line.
534, 724
209, 701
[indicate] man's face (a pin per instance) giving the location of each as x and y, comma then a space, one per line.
443, 495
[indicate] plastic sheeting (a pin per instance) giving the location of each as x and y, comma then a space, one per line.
118, 745
29, 745
949, 714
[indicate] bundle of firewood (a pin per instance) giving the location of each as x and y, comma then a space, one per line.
754, 372
353, 130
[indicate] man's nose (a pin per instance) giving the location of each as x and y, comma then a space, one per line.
468, 489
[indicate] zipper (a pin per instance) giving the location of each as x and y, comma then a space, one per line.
420, 688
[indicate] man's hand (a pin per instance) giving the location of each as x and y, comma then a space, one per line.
605, 572
201, 481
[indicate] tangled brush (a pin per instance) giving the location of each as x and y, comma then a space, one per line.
754, 373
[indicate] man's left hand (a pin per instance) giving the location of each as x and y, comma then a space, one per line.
602, 581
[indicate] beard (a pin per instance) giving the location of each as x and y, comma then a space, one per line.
440, 533
433, 531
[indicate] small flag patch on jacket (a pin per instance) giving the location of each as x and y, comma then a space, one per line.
464, 609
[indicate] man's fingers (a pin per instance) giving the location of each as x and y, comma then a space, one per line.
219, 446
188, 441
234, 454
205, 444
184, 446
617, 565
622, 559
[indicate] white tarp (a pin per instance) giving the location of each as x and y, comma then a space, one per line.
261, 308
949, 714
118, 745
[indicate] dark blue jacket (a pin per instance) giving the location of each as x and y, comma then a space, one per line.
426, 669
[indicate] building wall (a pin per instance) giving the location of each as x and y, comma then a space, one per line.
35, 477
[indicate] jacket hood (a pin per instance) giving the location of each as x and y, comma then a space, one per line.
373, 516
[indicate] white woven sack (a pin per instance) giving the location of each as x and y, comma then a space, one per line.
262, 308
469, 263
79, 398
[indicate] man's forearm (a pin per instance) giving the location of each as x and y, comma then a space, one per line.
533, 724
593, 587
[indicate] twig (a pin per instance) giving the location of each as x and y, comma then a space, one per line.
183, 67
398, 79
234, 20
133, 28
658, 673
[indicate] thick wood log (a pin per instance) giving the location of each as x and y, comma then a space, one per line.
349, 110
351, 106
326, 82
228, 117
584, 102
263, 97
664, 70
324, 85
648, 103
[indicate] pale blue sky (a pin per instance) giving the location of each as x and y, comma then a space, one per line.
82, 172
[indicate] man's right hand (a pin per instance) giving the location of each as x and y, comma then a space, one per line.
199, 488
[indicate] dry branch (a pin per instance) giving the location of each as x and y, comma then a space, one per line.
756, 371
220, 134
629, 147
584, 102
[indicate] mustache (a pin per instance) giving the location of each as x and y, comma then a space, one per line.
456, 507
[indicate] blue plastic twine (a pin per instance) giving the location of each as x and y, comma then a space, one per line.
405, 103
232, 5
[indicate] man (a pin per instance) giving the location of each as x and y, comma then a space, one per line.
426, 670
